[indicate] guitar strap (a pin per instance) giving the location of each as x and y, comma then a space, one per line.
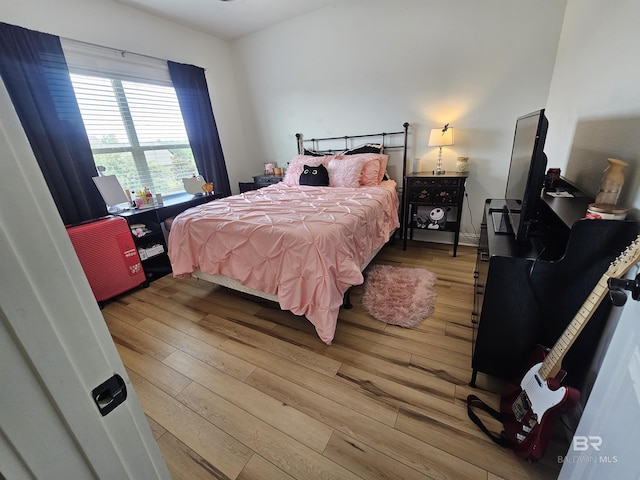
473, 401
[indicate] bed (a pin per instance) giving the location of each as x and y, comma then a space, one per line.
302, 246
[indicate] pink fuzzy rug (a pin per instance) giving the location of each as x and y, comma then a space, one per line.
398, 295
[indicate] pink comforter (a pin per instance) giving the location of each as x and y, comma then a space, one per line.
303, 244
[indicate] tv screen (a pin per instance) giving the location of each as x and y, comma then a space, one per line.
526, 172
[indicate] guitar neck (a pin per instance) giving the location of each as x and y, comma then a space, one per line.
553, 361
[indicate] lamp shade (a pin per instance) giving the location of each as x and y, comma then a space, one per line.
440, 138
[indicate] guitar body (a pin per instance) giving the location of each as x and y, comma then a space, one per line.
529, 409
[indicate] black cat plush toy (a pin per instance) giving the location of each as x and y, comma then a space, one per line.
315, 176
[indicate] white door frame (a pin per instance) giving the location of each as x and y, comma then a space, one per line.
54, 345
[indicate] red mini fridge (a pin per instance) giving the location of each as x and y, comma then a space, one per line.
108, 256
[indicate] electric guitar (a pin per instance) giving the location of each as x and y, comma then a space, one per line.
528, 410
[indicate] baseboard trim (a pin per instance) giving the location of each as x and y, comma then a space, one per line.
466, 238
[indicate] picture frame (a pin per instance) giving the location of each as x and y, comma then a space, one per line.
269, 168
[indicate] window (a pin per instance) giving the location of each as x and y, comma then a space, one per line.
136, 132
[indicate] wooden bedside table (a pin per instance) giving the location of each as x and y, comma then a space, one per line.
431, 201
266, 180
259, 181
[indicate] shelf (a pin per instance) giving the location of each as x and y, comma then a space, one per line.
158, 264
150, 251
146, 234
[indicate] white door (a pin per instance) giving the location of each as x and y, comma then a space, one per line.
54, 346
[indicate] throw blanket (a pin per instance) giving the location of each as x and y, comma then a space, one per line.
304, 244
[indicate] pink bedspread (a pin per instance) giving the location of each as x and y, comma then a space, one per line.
303, 244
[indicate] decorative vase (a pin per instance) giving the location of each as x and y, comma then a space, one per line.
462, 164
611, 183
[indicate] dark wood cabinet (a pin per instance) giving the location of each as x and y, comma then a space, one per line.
433, 202
525, 294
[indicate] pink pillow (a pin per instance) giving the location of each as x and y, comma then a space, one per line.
345, 172
370, 172
374, 167
292, 176
382, 160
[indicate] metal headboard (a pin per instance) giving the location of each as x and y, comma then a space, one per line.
314, 143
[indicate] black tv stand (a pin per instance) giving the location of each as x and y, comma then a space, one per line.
501, 222
527, 292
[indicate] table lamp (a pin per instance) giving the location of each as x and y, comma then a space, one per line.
440, 137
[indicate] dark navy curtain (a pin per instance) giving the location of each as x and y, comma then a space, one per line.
195, 105
35, 73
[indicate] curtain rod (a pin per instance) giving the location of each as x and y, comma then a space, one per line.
120, 50
117, 50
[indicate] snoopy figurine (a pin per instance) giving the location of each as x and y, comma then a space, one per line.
436, 218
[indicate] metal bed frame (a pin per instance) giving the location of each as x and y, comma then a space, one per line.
235, 285
348, 143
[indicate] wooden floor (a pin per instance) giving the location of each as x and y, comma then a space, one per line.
235, 388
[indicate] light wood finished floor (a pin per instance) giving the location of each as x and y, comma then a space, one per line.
235, 388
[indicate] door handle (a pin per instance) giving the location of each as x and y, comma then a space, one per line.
110, 394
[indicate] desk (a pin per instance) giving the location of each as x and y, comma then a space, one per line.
150, 239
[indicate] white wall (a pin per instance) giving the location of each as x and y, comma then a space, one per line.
112, 24
359, 66
594, 99
364, 66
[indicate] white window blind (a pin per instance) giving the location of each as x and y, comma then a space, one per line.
134, 125
89, 59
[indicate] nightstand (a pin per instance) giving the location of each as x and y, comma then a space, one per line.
266, 180
434, 203
259, 181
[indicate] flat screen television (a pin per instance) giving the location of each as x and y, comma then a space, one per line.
526, 173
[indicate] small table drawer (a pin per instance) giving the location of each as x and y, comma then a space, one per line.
455, 182
433, 195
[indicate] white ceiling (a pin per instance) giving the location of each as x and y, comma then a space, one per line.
228, 19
